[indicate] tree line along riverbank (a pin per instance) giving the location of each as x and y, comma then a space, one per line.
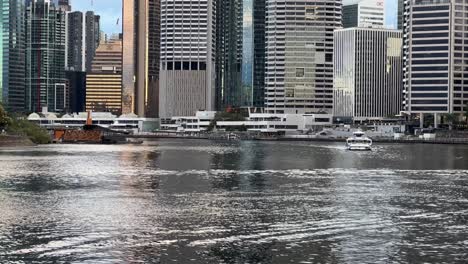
18, 131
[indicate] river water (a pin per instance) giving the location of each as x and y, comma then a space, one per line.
190, 201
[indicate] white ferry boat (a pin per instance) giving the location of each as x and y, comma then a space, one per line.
359, 142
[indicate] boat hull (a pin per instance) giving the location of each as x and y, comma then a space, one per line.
359, 148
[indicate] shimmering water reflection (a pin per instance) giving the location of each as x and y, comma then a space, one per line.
249, 202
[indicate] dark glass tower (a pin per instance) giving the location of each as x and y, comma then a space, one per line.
75, 42
240, 55
12, 45
93, 35
259, 48
228, 53
45, 57
83, 39
400, 14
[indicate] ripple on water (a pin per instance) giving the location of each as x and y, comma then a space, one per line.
126, 205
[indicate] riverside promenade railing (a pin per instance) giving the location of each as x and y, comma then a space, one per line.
246, 136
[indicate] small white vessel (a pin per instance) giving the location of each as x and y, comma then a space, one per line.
359, 141
232, 136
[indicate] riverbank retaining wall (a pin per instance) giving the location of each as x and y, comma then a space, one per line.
15, 141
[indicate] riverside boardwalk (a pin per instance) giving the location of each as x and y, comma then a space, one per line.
310, 138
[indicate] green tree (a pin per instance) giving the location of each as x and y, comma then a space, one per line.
37, 134
5, 120
21, 126
450, 119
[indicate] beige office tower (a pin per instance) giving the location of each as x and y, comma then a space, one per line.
299, 58
104, 81
187, 57
140, 68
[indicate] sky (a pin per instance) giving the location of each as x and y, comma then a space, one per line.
391, 8
111, 10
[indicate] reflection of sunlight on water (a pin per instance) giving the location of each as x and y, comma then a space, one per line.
112, 203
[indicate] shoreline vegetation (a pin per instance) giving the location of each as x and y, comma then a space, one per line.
18, 131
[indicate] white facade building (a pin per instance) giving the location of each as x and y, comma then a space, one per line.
364, 13
257, 122
275, 123
299, 59
187, 76
367, 73
124, 123
198, 123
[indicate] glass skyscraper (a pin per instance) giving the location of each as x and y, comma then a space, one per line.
240, 54
253, 53
45, 57
12, 48
228, 53
400, 14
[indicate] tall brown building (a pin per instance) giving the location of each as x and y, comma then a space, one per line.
141, 46
104, 81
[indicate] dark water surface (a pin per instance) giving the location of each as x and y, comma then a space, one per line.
174, 201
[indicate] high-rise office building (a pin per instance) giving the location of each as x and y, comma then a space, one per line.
240, 53
64, 5
45, 57
141, 52
83, 36
367, 73
259, 52
104, 81
400, 15
76, 42
12, 48
229, 38
187, 81
435, 72
363, 13
93, 36
299, 59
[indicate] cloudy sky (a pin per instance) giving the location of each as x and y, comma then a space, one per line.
110, 11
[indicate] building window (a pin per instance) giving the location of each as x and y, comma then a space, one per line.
311, 12
300, 72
